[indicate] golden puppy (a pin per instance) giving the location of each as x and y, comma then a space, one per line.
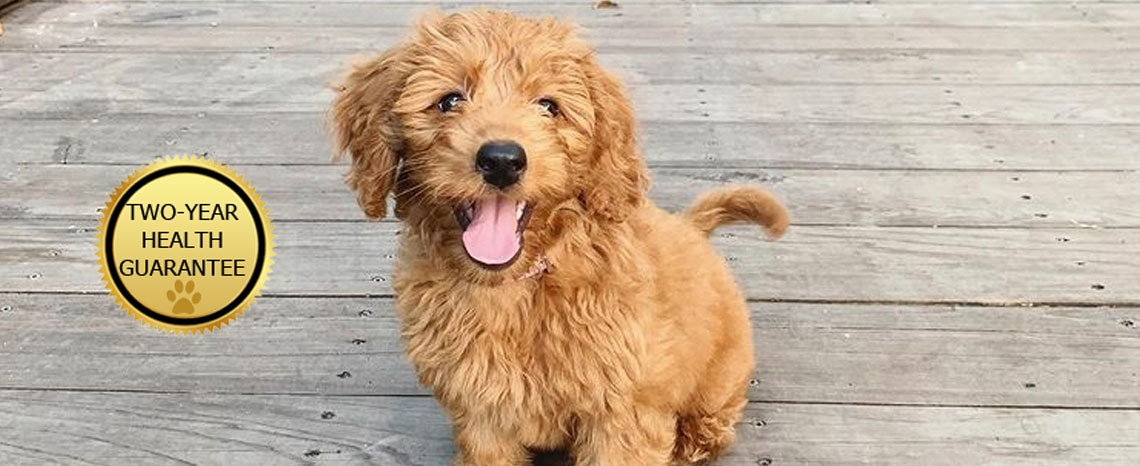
545, 301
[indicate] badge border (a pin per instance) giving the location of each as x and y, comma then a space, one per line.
233, 181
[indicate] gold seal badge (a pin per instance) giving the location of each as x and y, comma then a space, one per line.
185, 245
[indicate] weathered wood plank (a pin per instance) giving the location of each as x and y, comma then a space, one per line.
203, 75
844, 197
632, 14
291, 38
929, 355
286, 138
161, 429
156, 429
724, 103
846, 435
810, 263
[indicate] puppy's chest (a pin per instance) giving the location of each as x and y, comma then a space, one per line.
542, 358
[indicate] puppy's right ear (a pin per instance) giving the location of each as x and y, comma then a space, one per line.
367, 129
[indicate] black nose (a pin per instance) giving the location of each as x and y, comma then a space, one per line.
501, 162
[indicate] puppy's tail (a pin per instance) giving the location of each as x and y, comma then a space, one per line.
738, 204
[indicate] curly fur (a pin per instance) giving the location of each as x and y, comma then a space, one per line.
634, 347
738, 204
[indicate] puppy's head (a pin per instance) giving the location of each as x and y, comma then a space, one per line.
485, 125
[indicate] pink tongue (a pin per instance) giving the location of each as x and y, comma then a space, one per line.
491, 237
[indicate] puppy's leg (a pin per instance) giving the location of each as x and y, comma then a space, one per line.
707, 422
705, 434
640, 436
483, 445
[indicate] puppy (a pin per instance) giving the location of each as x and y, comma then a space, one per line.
545, 301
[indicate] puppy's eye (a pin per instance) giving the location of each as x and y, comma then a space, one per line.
449, 102
549, 106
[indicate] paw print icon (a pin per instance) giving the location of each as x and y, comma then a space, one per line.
183, 297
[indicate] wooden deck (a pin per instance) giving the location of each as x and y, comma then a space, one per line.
960, 286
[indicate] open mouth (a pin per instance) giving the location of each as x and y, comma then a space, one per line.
493, 230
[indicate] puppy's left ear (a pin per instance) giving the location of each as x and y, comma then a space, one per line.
617, 179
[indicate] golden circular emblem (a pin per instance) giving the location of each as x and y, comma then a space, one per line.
185, 244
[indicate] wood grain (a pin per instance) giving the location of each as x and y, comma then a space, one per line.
806, 353
224, 75
299, 138
631, 14
698, 36
990, 265
827, 197
805, 104
116, 428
